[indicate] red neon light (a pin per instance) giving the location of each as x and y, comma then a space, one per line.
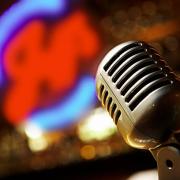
43, 61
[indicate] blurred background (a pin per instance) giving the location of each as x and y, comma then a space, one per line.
51, 123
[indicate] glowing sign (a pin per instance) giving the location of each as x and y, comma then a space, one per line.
43, 63
21, 12
76, 105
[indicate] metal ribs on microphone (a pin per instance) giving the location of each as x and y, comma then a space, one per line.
134, 63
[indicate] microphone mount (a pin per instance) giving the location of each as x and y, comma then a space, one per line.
167, 157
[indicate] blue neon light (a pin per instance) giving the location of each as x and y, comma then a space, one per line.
82, 97
20, 13
76, 105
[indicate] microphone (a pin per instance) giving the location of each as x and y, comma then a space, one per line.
141, 93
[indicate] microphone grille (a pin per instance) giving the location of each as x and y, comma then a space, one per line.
108, 103
137, 70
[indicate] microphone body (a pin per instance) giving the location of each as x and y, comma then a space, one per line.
141, 93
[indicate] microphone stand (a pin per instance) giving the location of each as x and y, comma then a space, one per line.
168, 160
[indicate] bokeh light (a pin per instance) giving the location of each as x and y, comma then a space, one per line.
97, 126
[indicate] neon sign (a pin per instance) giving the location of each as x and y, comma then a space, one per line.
43, 64
21, 12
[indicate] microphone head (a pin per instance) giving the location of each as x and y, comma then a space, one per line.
140, 92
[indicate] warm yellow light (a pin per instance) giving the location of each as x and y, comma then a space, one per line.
97, 126
103, 150
33, 131
36, 139
88, 152
38, 144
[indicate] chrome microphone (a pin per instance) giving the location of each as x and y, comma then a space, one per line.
141, 93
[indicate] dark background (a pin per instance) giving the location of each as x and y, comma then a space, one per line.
115, 21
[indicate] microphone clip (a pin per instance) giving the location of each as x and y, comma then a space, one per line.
168, 161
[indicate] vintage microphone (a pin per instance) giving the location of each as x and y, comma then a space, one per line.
142, 95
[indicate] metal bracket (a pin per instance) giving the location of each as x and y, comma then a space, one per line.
168, 162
